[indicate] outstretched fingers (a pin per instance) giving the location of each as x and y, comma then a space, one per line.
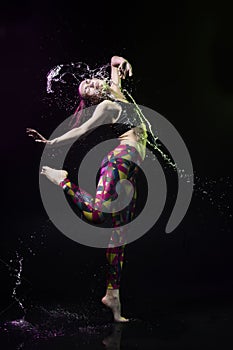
124, 69
36, 135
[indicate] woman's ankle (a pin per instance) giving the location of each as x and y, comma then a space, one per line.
64, 182
114, 293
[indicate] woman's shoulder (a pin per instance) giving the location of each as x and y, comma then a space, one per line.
108, 104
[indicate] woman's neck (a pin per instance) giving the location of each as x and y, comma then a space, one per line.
117, 96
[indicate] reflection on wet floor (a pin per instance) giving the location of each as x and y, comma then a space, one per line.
90, 326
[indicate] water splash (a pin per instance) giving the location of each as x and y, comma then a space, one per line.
18, 282
53, 76
44, 323
15, 266
79, 71
155, 146
215, 191
63, 81
34, 240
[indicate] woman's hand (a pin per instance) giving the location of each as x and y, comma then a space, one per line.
124, 69
123, 66
37, 137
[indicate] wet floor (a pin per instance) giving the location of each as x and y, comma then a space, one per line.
89, 325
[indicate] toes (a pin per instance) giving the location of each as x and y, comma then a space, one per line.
44, 169
121, 319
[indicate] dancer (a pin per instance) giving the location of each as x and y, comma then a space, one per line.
113, 108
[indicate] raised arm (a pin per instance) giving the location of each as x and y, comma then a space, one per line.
120, 67
105, 112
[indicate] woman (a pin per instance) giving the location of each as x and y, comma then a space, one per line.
113, 108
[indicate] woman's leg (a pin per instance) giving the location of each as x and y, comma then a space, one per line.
115, 258
115, 254
118, 165
84, 201
121, 163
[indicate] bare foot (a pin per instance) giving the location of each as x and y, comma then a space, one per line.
56, 176
113, 303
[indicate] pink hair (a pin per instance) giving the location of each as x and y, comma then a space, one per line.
76, 118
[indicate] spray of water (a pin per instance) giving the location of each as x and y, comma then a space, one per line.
79, 71
70, 76
155, 146
18, 273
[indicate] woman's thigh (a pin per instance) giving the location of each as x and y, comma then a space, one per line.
119, 164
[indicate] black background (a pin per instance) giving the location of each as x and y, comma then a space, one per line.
182, 54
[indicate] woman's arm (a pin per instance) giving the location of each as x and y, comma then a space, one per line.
105, 112
120, 67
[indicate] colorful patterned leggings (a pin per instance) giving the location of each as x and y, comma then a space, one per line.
121, 163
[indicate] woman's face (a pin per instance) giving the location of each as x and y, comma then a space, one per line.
92, 88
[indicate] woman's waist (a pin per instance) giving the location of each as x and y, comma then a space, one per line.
140, 147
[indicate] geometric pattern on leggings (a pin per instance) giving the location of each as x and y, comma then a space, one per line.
120, 163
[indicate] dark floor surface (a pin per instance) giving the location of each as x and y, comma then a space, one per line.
197, 324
